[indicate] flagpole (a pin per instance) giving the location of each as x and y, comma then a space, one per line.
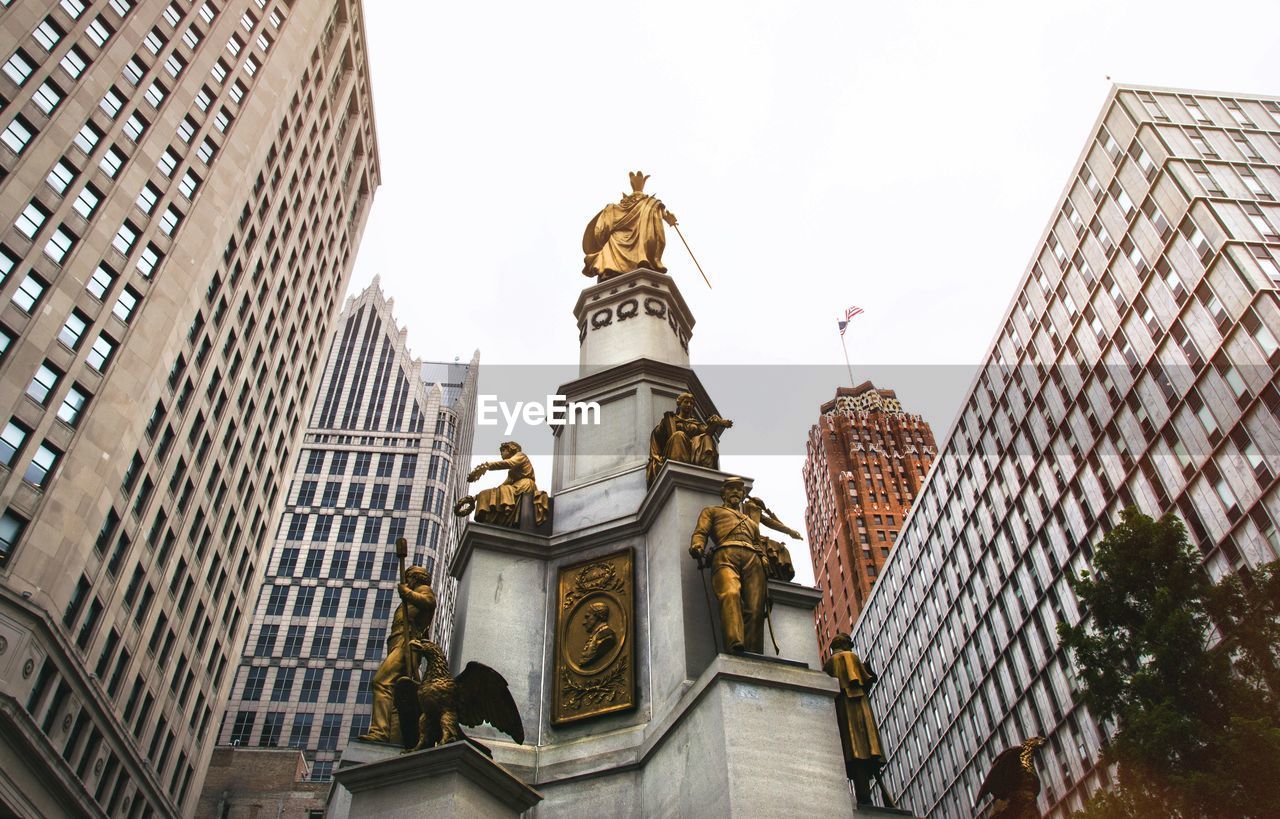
847, 365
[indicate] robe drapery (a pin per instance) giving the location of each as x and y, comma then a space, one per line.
625, 237
500, 504
858, 734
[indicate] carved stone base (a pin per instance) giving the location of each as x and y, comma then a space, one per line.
454, 780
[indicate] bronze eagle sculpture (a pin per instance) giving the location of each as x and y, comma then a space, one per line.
444, 703
1013, 783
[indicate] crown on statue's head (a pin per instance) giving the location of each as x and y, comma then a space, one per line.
638, 178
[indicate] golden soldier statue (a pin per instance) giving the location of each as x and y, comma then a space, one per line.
739, 566
410, 623
627, 236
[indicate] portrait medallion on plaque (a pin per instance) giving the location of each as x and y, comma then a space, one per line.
595, 665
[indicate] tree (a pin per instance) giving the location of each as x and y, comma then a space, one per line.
1187, 672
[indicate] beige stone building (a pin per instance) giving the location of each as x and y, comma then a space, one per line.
183, 186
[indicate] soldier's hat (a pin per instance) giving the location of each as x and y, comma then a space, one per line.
734, 481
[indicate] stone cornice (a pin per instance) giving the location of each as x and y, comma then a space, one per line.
793, 594
548, 547
649, 282
637, 370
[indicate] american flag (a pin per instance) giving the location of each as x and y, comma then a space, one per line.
848, 316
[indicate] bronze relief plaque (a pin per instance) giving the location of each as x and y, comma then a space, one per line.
595, 636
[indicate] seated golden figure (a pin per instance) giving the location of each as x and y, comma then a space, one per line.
500, 505
627, 236
681, 436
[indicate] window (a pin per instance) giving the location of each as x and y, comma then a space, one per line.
1260, 222
47, 97
17, 135
329, 603
111, 162
100, 354
42, 464
283, 687
207, 12
28, 293
88, 137
43, 383
125, 304
347, 643
222, 120
293, 640
190, 182
266, 640
73, 8
99, 32
311, 681
219, 72
125, 237
250, 68
147, 197
19, 67
60, 243
320, 641
275, 600
100, 282
300, 734
156, 93
73, 329
186, 129
234, 44
11, 441
74, 62
47, 34
169, 221
204, 98
329, 731
31, 219
243, 728
72, 405
206, 150
134, 127
272, 724
122, 7
253, 684
62, 175
306, 596
174, 64
11, 527
87, 202
148, 259
362, 463
167, 163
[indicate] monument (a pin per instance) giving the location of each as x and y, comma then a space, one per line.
638, 695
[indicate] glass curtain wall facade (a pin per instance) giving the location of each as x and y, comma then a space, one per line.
183, 186
385, 453
1136, 365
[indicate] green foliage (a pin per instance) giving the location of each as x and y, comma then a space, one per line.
1186, 670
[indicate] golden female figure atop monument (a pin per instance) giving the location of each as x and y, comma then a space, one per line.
627, 236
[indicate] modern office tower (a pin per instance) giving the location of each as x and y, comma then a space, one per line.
183, 186
864, 463
387, 449
1135, 365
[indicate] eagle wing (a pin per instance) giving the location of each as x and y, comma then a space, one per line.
1004, 776
483, 696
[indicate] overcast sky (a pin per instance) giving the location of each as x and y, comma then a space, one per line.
904, 157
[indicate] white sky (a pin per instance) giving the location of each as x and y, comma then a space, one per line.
903, 156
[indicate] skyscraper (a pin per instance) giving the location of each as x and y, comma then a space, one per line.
1136, 364
386, 450
184, 186
864, 463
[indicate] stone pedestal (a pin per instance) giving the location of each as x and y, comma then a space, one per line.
455, 780
708, 732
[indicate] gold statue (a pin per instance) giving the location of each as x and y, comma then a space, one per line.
859, 737
737, 562
627, 236
500, 505
479, 694
681, 436
1013, 782
398, 671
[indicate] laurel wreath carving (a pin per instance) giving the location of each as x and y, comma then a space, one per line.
578, 695
596, 577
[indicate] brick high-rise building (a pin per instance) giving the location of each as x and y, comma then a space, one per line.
865, 461
183, 186
386, 451
1136, 364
